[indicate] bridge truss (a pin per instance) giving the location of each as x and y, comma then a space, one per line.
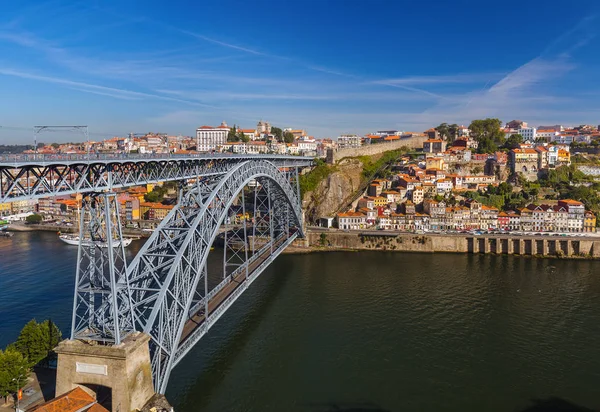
35, 176
249, 214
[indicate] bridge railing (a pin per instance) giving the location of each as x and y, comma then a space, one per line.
193, 310
53, 158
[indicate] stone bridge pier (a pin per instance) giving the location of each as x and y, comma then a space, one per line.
118, 376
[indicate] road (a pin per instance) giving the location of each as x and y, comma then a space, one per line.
571, 236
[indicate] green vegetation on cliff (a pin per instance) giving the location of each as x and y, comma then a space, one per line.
310, 180
371, 166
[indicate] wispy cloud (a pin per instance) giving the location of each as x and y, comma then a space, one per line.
94, 88
222, 43
463, 78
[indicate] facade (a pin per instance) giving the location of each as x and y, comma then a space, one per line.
209, 138
434, 146
352, 220
154, 211
529, 133
568, 216
348, 141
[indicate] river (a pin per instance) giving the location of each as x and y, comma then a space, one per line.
370, 331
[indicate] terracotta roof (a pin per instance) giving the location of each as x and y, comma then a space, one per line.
571, 202
75, 400
351, 214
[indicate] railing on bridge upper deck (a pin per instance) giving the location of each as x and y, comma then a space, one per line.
90, 157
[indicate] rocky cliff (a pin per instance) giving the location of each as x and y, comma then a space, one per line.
335, 191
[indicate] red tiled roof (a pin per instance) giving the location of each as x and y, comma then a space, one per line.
75, 400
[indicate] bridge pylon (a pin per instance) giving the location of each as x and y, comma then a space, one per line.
102, 296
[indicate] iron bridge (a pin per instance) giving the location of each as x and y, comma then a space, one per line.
246, 209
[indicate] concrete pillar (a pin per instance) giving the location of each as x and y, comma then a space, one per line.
545, 247
569, 247
521, 247
486, 245
122, 370
475, 244
510, 249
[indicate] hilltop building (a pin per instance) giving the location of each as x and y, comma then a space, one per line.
209, 137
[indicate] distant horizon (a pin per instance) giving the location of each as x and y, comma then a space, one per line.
344, 70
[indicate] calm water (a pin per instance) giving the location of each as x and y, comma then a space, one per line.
365, 331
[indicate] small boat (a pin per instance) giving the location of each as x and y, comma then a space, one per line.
4, 224
74, 240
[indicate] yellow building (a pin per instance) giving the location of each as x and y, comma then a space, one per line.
564, 157
589, 223
380, 201
434, 163
5, 209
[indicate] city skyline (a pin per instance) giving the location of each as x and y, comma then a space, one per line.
329, 68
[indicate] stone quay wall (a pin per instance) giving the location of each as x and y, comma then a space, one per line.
550, 246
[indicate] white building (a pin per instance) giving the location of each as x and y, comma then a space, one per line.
208, 137
529, 133
348, 140
463, 131
307, 145
547, 134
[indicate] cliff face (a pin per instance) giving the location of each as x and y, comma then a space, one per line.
334, 191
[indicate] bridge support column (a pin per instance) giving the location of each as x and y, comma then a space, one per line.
101, 287
119, 376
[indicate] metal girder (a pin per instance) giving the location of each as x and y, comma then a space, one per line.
25, 177
164, 277
101, 307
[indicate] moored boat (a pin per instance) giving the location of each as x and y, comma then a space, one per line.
74, 240
4, 224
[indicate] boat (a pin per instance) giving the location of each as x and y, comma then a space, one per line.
74, 240
4, 224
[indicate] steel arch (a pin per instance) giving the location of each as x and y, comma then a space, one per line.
165, 274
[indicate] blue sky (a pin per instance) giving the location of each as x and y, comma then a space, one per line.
330, 67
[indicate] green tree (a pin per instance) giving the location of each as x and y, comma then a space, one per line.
288, 137
37, 341
243, 137
488, 134
232, 135
505, 188
32, 343
153, 196
277, 132
443, 130
323, 239
513, 141
34, 219
55, 145
452, 132
14, 369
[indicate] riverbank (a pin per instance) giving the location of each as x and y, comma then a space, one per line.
323, 240
22, 227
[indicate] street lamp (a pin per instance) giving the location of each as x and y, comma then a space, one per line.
18, 379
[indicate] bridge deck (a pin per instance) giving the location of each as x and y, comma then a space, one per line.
237, 281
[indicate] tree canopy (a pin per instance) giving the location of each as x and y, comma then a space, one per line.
288, 137
513, 141
14, 368
277, 132
488, 134
35, 219
232, 135
37, 340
